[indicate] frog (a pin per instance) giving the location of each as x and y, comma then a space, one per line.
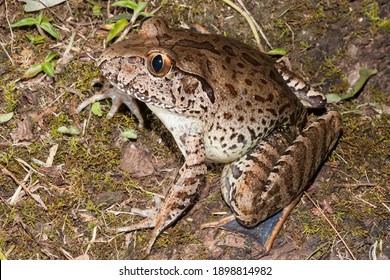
226, 102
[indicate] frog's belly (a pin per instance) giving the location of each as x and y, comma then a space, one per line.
218, 151
215, 149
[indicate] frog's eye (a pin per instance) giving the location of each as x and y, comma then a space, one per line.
159, 64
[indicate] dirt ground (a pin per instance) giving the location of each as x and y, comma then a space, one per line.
69, 207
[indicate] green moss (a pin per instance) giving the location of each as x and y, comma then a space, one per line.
61, 120
371, 10
7, 156
11, 95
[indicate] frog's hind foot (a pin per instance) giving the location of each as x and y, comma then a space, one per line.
264, 233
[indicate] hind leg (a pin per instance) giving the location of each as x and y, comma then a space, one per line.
272, 176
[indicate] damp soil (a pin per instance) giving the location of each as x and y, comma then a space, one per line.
63, 195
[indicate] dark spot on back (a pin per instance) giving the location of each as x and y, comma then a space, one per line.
272, 111
259, 98
264, 82
163, 38
282, 109
227, 115
248, 82
234, 75
250, 59
229, 50
275, 76
209, 65
197, 45
231, 89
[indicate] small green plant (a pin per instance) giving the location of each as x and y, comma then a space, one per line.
36, 40
6, 117
42, 23
122, 23
364, 75
97, 10
47, 66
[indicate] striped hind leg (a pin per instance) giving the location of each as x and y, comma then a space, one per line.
273, 174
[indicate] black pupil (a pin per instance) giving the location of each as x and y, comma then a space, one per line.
157, 63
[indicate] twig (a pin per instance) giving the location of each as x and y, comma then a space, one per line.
5, 51
330, 223
257, 26
292, 34
52, 12
69, 47
362, 200
25, 164
93, 239
52, 153
387, 207
355, 185
148, 192
249, 20
21, 185
9, 24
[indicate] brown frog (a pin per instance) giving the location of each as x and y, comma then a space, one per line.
225, 102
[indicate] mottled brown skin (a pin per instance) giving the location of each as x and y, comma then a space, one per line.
226, 102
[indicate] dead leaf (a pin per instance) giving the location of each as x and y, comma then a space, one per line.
326, 206
82, 257
23, 131
85, 217
137, 161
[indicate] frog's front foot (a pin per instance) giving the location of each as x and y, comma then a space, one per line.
118, 98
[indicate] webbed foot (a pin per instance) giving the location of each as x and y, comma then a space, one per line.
118, 98
264, 233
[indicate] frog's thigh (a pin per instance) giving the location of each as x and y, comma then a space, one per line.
269, 177
243, 181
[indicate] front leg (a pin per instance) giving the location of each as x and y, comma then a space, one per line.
182, 194
118, 98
